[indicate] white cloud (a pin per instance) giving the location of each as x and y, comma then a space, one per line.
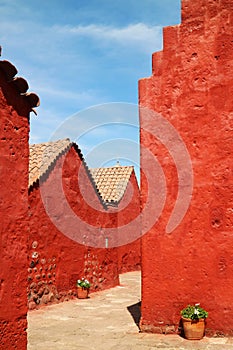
84, 96
63, 70
138, 35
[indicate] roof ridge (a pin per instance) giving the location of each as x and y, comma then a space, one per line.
48, 142
35, 164
41, 154
115, 166
112, 182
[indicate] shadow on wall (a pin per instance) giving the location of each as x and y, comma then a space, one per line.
135, 311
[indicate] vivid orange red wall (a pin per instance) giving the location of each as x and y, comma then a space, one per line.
59, 260
14, 130
192, 88
129, 255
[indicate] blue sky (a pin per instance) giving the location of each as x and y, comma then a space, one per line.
76, 54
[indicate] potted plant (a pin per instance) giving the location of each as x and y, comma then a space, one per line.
193, 319
83, 287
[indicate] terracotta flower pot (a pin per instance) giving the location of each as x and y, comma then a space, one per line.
193, 329
82, 292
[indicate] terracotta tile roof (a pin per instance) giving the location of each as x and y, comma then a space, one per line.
112, 182
20, 84
43, 156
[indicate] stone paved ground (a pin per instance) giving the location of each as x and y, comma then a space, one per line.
105, 322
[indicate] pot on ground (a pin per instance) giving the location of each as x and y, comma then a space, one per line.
193, 329
82, 292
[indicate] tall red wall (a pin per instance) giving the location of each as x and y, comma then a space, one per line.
59, 260
14, 156
192, 87
129, 255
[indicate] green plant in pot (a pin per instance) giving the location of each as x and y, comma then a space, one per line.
193, 319
83, 287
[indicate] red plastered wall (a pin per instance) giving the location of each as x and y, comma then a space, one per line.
191, 87
57, 256
14, 156
129, 255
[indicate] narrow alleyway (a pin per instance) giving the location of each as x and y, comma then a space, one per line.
105, 321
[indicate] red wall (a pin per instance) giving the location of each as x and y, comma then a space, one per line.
192, 87
129, 255
14, 129
57, 260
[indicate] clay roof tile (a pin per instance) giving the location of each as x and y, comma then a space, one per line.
112, 181
43, 155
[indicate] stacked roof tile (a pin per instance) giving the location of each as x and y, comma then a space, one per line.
112, 182
43, 156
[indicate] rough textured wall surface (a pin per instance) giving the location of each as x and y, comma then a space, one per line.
129, 255
57, 260
14, 129
192, 87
